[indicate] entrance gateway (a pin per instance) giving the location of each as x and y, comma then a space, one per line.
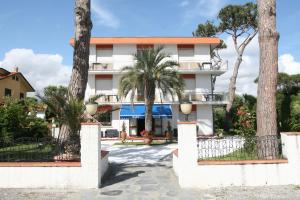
136, 115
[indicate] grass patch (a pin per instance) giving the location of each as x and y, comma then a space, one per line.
139, 143
239, 154
27, 152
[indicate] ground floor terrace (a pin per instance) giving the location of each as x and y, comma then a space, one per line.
165, 117
145, 172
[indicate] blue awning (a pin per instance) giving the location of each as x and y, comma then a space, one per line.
138, 111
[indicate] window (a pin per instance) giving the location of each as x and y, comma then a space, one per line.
104, 53
104, 83
17, 78
185, 52
13, 78
7, 92
21, 95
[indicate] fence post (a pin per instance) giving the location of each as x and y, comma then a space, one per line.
91, 154
187, 152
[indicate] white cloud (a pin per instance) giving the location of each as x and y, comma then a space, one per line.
287, 64
184, 3
249, 68
40, 70
104, 16
202, 8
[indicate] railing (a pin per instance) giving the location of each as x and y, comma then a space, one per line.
203, 66
101, 66
238, 148
36, 150
190, 66
205, 97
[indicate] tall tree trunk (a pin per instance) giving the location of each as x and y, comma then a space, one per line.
83, 26
267, 82
232, 84
77, 85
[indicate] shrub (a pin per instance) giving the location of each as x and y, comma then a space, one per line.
18, 119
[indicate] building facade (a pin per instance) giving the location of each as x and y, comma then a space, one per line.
13, 84
109, 55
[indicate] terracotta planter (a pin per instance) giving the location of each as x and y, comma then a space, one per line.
168, 135
148, 140
123, 136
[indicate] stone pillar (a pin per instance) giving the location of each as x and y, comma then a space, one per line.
187, 152
91, 154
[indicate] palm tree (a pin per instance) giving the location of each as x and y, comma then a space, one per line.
152, 70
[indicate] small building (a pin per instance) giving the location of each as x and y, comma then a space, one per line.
108, 55
13, 84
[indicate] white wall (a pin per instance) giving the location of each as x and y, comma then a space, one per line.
205, 119
234, 173
123, 55
202, 53
88, 175
203, 84
90, 87
92, 57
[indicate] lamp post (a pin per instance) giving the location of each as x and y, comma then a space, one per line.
186, 108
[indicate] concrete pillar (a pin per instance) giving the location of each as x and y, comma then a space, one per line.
187, 152
291, 151
91, 154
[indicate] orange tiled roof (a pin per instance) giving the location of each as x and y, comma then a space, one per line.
152, 40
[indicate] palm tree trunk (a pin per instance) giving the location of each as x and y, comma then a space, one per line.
83, 26
267, 82
148, 117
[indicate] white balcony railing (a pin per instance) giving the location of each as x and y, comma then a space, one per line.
203, 66
185, 66
187, 96
205, 97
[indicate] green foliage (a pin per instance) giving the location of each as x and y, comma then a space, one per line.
18, 119
66, 110
49, 93
238, 19
93, 99
208, 29
295, 113
240, 121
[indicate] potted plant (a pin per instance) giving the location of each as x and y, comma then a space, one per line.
123, 132
91, 105
148, 137
169, 135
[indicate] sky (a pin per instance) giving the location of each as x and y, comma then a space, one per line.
35, 34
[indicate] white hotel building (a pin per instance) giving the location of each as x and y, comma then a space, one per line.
108, 55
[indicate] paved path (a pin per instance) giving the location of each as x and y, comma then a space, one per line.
143, 172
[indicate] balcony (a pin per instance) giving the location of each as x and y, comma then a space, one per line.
203, 66
205, 98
